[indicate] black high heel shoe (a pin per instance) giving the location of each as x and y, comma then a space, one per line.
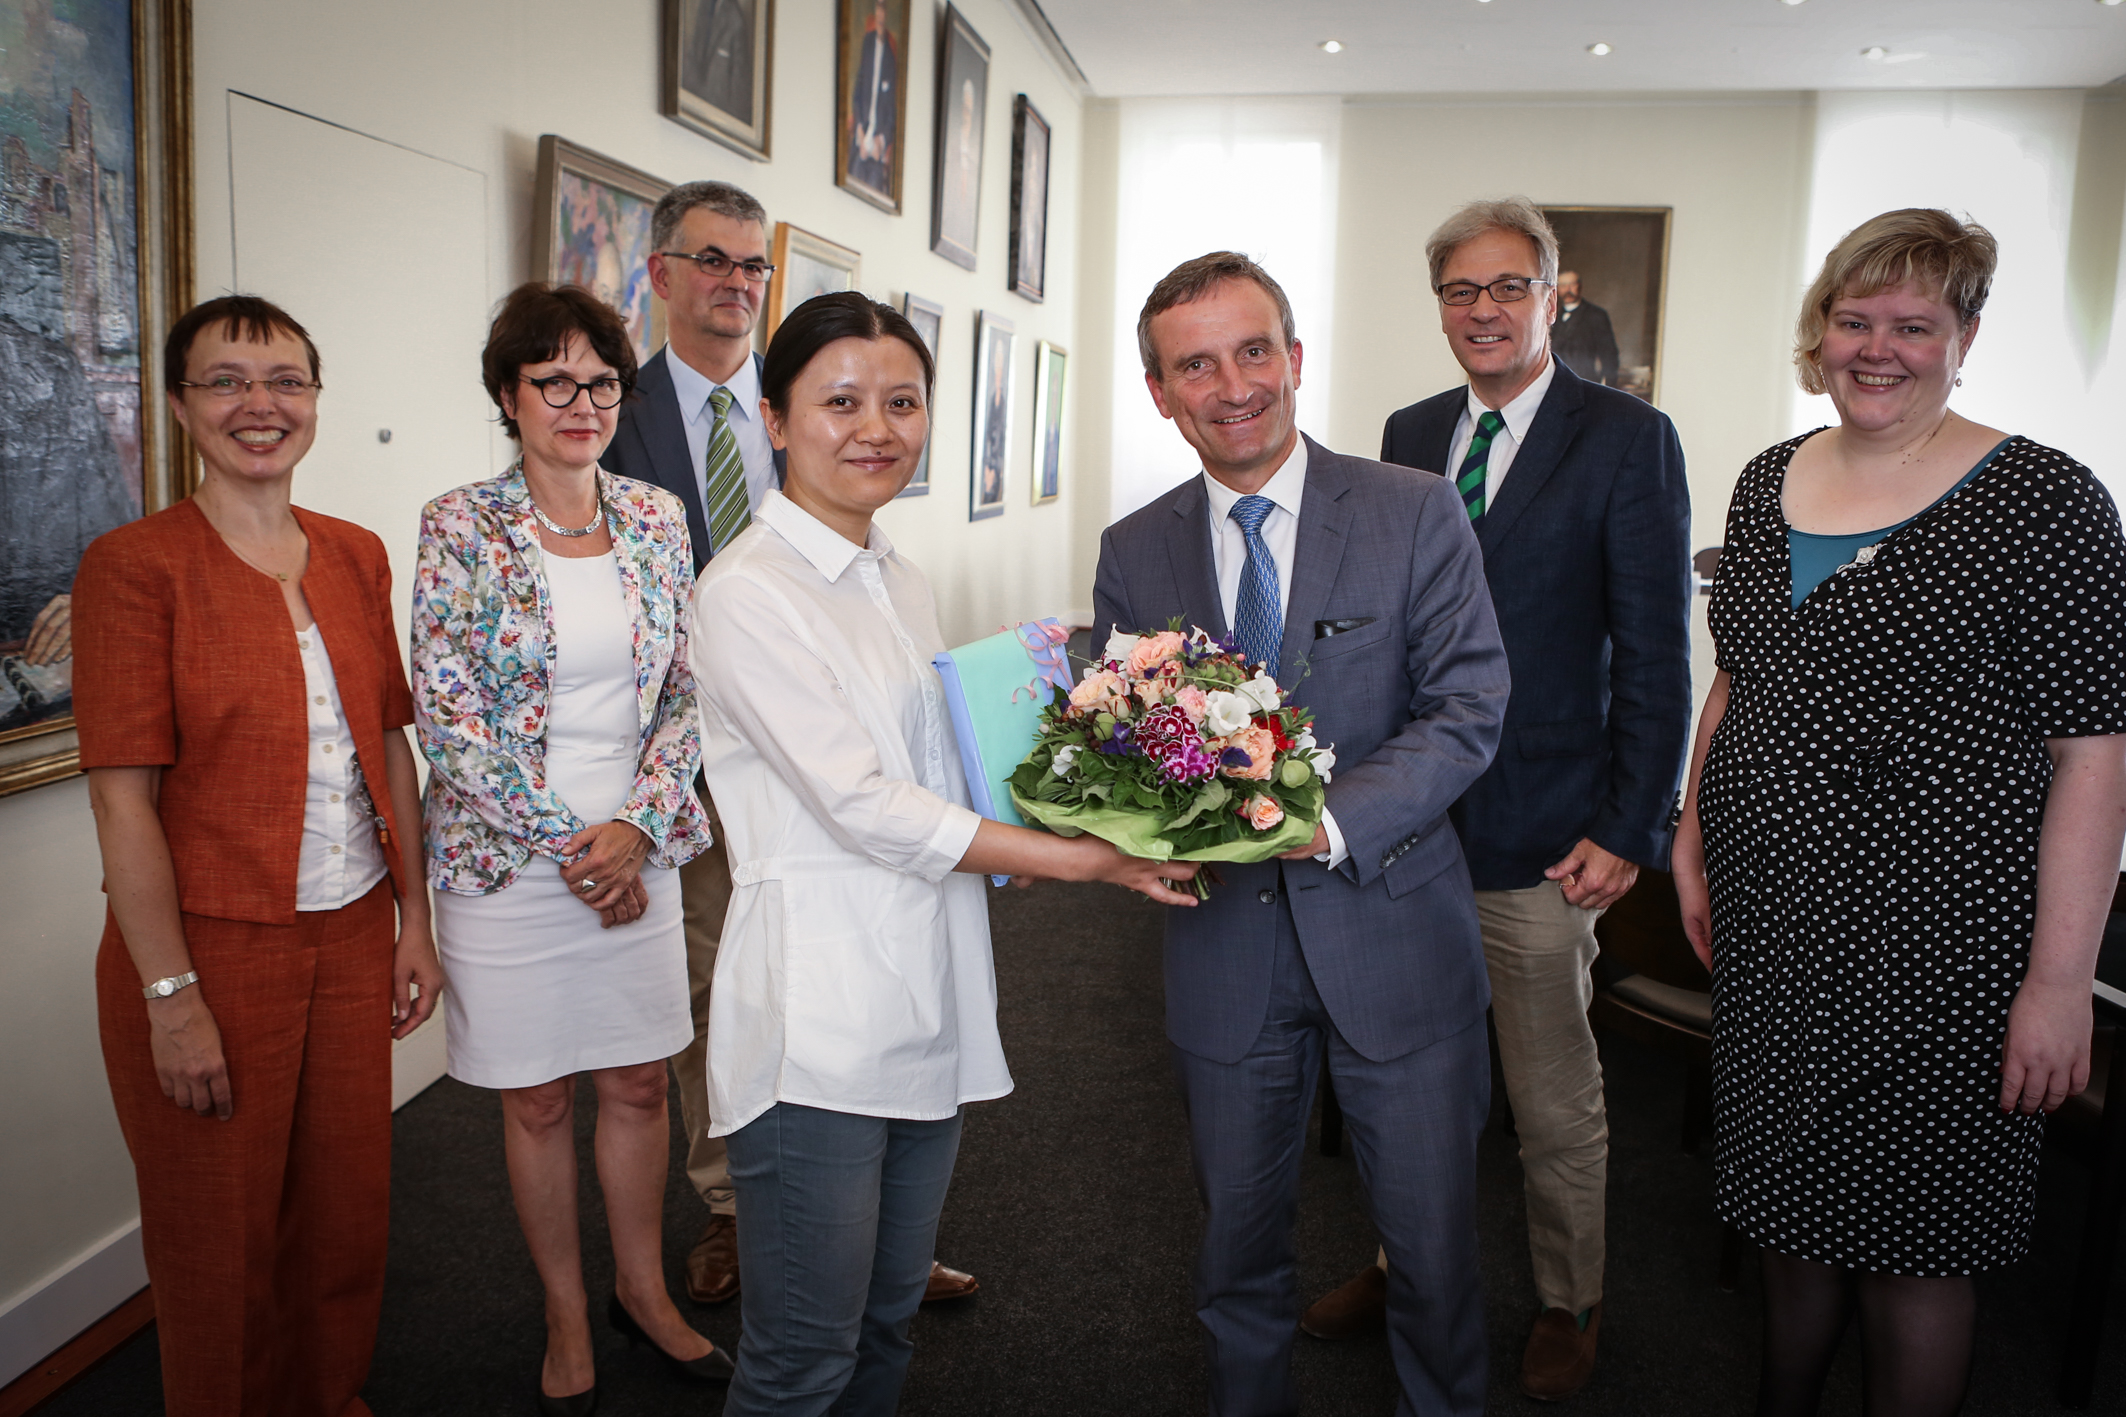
576, 1404
714, 1367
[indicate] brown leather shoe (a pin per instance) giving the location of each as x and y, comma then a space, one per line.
712, 1267
948, 1283
1359, 1306
1560, 1357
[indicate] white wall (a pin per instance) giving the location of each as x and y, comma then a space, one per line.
475, 83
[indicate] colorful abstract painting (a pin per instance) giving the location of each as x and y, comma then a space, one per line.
604, 246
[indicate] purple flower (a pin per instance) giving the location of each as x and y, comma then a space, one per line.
1235, 758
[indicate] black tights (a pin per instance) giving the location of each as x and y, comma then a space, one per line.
1915, 1338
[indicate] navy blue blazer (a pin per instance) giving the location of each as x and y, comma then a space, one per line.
1588, 556
1411, 699
650, 445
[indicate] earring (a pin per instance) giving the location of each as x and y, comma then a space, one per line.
1959, 381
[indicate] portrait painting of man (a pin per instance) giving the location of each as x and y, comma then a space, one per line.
717, 59
963, 97
1612, 268
1029, 200
996, 342
871, 101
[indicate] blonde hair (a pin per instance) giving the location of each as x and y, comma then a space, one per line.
1924, 244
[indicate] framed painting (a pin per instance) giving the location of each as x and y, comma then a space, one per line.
1612, 279
929, 321
805, 266
996, 347
594, 231
956, 171
95, 264
718, 62
1029, 199
1050, 361
871, 99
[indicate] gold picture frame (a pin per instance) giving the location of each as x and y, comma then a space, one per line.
160, 56
806, 265
871, 99
1621, 256
719, 69
594, 231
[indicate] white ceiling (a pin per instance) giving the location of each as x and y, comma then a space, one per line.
1141, 47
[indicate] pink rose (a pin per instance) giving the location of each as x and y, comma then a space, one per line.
1154, 650
1262, 812
1261, 747
1193, 702
1094, 692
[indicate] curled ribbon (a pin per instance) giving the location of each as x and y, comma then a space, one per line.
1043, 641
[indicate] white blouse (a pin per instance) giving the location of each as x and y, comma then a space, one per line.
340, 857
854, 971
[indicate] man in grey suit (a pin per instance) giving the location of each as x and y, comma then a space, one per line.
1362, 586
694, 428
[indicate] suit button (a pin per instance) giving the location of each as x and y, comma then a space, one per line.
1266, 897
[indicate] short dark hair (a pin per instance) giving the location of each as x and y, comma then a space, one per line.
534, 324
819, 322
719, 197
241, 317
1192, 280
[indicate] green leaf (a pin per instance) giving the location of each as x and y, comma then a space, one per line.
1213, 796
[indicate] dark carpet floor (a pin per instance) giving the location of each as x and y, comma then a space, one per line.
1074, 1206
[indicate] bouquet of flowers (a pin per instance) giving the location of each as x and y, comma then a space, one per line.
1175, 747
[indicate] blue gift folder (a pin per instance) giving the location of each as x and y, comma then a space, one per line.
996, 689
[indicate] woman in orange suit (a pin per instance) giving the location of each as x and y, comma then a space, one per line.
241, 704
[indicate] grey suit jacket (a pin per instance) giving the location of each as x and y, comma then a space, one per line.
650, 445
1411, 699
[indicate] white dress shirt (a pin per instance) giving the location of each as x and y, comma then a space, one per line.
1229, 555
692, 388
854, 971
1518, 415
340, 857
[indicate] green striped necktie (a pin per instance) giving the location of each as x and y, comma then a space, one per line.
724, 481
1470, 480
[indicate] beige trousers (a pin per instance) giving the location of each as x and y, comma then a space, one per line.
1540, 952
705, 894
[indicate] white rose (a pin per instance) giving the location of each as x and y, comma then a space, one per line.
1065, 755
1225, 713
1262, 691
1118, 646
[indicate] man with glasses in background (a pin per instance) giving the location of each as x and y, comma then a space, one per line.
1578, 498
695, 430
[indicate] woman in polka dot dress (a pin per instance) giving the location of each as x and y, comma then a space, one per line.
1902, 828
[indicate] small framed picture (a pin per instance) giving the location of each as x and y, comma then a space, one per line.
996, 347
1612, 270
871, 99
594, 231
1049, 363
1029, 199
929, 321
956, 172
805, 266
718, 59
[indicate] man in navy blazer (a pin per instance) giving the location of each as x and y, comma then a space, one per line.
1577, 495
1362, 586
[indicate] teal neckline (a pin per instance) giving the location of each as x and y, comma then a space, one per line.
1813, 557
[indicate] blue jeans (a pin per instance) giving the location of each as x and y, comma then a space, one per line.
841, 1219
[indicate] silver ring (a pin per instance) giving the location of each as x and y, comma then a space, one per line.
588, 885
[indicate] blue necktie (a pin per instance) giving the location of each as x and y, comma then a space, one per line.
1257, 623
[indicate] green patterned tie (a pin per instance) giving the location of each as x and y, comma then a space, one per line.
1470, 480
724, 484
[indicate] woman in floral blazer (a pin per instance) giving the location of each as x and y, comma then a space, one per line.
557, 713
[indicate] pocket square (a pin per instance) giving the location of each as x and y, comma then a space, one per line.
1325, 628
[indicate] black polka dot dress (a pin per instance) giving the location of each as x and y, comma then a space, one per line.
1871, 804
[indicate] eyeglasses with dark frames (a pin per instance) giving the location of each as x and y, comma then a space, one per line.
560, 391
228, 386
1504, 291
716, 265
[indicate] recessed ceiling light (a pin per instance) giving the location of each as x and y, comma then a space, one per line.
1875, 52
1598, 48
1332, 46
2111, 2
1797, 2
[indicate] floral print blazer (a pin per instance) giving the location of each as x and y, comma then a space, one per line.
483, 657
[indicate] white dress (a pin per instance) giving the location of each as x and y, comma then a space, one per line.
537, 990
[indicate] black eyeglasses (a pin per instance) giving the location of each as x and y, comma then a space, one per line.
560, 391
1505, 292
716, 265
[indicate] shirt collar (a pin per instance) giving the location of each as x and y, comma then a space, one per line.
827, 549
1285, 487
692, 387
1521, 412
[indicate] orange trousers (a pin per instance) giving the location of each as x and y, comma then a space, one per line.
265, 1234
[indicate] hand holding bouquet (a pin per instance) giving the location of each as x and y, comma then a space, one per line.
1175, 747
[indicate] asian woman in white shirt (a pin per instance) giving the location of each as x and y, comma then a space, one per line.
854, 1005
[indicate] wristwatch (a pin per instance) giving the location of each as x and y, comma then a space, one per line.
164, 988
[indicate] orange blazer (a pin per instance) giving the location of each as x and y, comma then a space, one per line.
185, 659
